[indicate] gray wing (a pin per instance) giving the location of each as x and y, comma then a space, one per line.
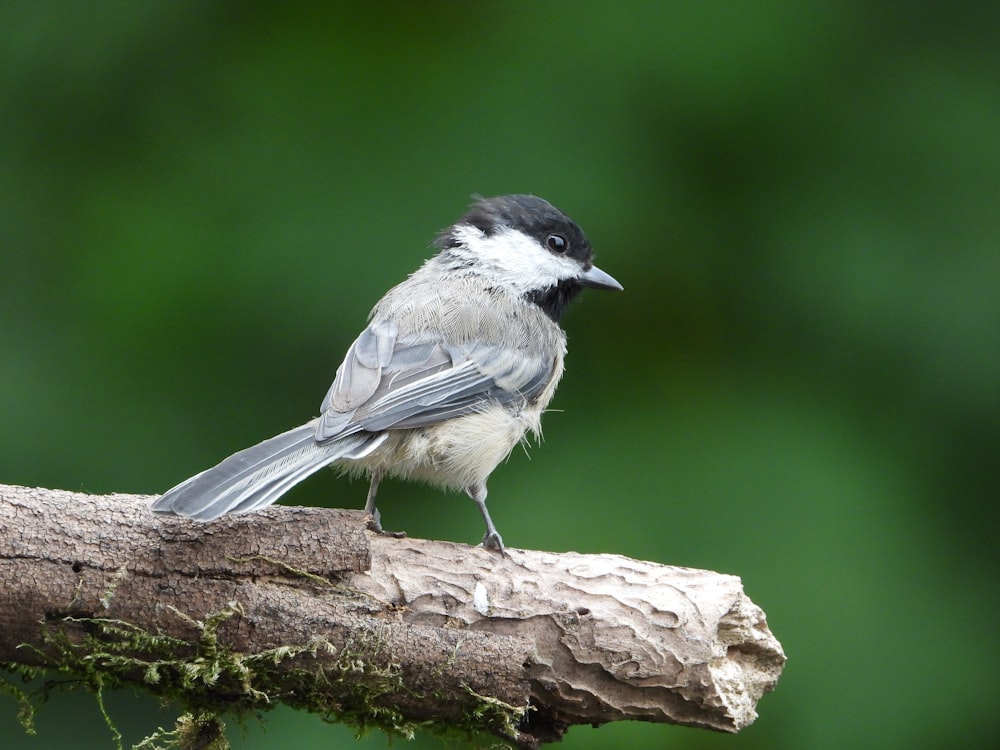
388, 382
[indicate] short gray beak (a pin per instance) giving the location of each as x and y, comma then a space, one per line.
597, 279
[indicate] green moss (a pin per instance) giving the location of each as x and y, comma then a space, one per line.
502, 717
356, 684
26, 709
193, 731
209, 680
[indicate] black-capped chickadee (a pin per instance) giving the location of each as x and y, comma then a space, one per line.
457, 363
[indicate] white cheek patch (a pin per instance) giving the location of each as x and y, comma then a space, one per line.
518, 260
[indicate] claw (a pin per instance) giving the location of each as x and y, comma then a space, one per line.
493, 540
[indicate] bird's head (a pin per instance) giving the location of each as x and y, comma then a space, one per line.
527, 246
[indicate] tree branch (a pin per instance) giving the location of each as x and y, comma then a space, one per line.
309, 607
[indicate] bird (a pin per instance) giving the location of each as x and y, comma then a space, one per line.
455, 367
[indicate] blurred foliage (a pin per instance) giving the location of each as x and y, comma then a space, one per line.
199, 202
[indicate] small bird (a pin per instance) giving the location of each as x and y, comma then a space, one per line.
456, 365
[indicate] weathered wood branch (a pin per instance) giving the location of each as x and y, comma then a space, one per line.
309, 607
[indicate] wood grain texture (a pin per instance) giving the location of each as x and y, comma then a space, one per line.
575, 639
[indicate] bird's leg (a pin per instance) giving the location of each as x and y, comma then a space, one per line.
492, 538
376, 524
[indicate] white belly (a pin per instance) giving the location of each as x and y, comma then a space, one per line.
454, 454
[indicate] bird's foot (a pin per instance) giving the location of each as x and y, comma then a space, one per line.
375, 524
493, 540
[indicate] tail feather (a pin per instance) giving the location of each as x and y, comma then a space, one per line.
259, 475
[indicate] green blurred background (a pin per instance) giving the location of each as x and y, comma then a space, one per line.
199, 202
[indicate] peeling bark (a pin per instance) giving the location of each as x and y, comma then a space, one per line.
367, 626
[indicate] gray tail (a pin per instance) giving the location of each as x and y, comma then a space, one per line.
259, 475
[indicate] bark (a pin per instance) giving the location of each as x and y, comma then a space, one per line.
309, 607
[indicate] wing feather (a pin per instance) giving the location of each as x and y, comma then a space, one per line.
392, 382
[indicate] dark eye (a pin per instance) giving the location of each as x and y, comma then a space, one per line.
557, 243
